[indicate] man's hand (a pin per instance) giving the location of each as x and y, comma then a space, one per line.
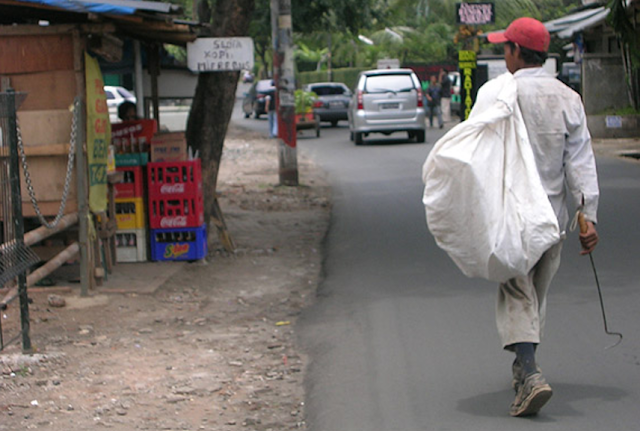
588, 239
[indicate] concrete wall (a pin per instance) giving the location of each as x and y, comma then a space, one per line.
626, 126
603, 83
173, 83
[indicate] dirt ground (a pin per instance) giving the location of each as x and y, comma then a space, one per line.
191, 346
209, 348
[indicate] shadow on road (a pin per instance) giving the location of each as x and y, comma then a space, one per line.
496, 404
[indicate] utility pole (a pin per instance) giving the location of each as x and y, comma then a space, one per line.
284, 80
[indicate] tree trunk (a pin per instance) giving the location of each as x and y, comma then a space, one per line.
214, 99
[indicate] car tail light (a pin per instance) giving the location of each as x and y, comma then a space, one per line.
420, 101
360, 100
318, 104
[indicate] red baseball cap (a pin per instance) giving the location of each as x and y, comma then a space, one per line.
526, 32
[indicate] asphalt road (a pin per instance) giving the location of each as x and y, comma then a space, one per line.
399, 339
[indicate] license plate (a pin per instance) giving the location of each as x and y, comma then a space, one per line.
336, 105
394, 105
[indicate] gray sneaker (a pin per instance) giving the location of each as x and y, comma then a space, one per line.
518, 374
532, 395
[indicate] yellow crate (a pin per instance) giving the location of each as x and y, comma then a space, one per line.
130, 213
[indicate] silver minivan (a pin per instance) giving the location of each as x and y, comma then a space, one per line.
387, 101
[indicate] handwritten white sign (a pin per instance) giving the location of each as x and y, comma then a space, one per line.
220, 54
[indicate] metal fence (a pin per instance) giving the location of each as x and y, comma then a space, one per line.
15, 257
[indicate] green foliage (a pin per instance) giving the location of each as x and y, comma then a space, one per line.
426, 29
305, 54
260, 31
178, 52
304, 101
347, 75
628, 110
322, 15
622, 25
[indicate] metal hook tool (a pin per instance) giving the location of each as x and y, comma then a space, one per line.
583, 229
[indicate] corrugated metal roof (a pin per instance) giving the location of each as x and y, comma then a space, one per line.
569, 25
110, 7
143, 20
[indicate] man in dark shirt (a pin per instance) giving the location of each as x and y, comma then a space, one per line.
434, 94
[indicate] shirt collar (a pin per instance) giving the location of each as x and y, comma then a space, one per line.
531, 72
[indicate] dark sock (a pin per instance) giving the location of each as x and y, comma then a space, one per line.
525, 354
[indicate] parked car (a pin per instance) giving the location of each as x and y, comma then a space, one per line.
247, 77
387, 101
117, 95
254, 99
332, 101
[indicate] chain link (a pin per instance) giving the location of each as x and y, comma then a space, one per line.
67, 180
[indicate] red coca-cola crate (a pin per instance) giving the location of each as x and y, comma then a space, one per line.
176, 211
132, 186
170, 179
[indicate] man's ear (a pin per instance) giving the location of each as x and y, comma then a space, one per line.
517, 53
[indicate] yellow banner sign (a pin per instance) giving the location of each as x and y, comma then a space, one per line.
98, 135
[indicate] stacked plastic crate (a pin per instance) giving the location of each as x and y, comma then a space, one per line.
131, 235
176, 210
130, 140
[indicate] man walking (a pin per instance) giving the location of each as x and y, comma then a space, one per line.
445, 93
272, 113
433, 95
556, 126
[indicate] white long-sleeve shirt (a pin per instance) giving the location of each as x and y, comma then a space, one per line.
557, 129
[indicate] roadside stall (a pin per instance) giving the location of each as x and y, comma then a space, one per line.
49, 52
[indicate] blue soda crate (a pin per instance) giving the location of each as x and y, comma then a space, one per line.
179, 243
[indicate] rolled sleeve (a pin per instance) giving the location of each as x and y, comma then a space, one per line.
580, 165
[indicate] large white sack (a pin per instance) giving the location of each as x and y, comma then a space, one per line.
485, 204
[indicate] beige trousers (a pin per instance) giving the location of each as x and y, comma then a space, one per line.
522, 301
445, 106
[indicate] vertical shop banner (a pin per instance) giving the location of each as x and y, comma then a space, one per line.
98, 135
467, 64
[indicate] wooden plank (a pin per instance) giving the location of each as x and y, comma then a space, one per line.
35, 53
45, 127
29, 30
87, 260
48, 208
47, 177
46, 90
47, 150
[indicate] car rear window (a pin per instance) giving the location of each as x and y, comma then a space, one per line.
124, 93
386, 83
264, 85
327, 90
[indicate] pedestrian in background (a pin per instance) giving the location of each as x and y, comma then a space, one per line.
556, 125
445, 101
127, 111
433, 95
272, 116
